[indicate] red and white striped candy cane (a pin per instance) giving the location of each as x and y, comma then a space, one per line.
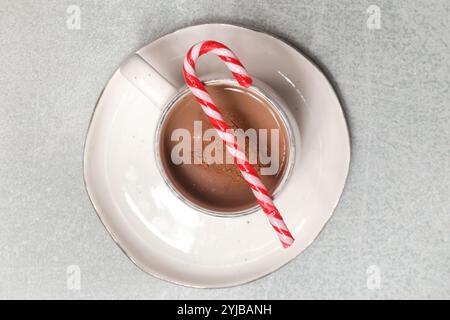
215, 116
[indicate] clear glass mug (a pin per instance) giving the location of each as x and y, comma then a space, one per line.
164, 95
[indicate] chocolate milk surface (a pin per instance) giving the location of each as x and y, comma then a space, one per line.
220, 186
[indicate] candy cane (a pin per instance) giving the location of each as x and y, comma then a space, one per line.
215, 116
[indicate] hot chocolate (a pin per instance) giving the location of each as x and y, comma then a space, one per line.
195, 159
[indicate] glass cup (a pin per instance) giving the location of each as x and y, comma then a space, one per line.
165, 96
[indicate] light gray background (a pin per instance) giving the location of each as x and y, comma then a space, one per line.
394, 85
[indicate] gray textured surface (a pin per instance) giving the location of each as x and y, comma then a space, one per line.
394, 83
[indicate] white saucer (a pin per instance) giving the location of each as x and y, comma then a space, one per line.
174, 242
